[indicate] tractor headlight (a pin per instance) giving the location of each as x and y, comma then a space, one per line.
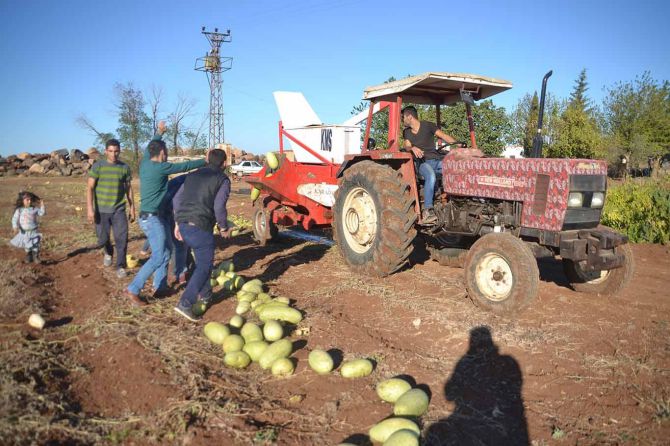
597, 200
575, 200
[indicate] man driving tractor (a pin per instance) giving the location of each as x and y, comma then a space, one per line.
418, 137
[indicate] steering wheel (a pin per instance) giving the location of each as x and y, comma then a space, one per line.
461, 144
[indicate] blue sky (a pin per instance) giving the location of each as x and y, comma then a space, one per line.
62, 58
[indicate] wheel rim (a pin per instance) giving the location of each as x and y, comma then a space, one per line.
260, 223
494, 277
594, 277
359, 218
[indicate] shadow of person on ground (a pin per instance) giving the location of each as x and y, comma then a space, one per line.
486, 389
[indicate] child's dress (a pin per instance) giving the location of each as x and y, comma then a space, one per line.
26, 221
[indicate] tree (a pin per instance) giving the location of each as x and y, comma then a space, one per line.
578, 96
493, 127
577, 135
182, 109
637, 116
155, 99
196, 139
530, 130
379, 129
524, 121
100, 137
134, 123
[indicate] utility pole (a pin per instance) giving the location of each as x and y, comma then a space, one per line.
213, 65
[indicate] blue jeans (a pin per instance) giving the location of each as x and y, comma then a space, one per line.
202, 243
155, 228
178, 253
177, 249
428, 170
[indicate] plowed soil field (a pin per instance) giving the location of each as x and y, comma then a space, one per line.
572, 369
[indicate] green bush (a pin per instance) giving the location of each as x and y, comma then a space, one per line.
640, 210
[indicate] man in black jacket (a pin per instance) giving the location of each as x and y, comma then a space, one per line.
198, 205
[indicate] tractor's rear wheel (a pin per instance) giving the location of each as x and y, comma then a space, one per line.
263, 226
374, 219
601, 282
501, 273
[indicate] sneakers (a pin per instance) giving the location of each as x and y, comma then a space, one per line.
187, 313
428, 216
107, 260
120, 273
134, 299
29, 257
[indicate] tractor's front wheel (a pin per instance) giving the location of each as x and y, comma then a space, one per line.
374, 219
501, 273
601, 282
263, 226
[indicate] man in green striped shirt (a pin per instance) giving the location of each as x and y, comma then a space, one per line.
108, 189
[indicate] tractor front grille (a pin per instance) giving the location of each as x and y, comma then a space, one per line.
585, 217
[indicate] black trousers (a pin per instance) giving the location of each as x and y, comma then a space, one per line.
118, 222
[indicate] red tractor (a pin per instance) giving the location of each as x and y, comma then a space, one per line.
495, 215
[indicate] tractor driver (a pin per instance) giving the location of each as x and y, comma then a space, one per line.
418, 137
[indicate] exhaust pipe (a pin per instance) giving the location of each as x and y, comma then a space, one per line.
537, 141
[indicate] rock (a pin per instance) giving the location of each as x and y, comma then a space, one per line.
45, 163
76, 165
76, 155
29, 162
63, 153
66, 170
35, 169
54, 173
23, 155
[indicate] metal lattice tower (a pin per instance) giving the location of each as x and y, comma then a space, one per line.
213, 65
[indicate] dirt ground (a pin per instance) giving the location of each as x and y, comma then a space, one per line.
572, 369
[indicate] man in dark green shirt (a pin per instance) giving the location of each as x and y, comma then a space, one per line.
154, 173
108, 188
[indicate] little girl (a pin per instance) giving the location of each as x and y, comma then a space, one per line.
25, 222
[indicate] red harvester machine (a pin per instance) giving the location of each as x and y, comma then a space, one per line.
495, 215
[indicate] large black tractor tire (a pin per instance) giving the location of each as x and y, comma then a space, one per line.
374, 217
501, 274
452, 257
262, 225
608, 282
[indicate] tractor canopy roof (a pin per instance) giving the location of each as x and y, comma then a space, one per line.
435, 88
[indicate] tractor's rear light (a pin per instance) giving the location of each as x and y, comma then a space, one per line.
597, 200
575, 200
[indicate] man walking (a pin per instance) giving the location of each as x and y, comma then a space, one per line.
154, 173
199, 204
108, 189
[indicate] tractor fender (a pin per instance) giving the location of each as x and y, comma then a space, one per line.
391, 158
